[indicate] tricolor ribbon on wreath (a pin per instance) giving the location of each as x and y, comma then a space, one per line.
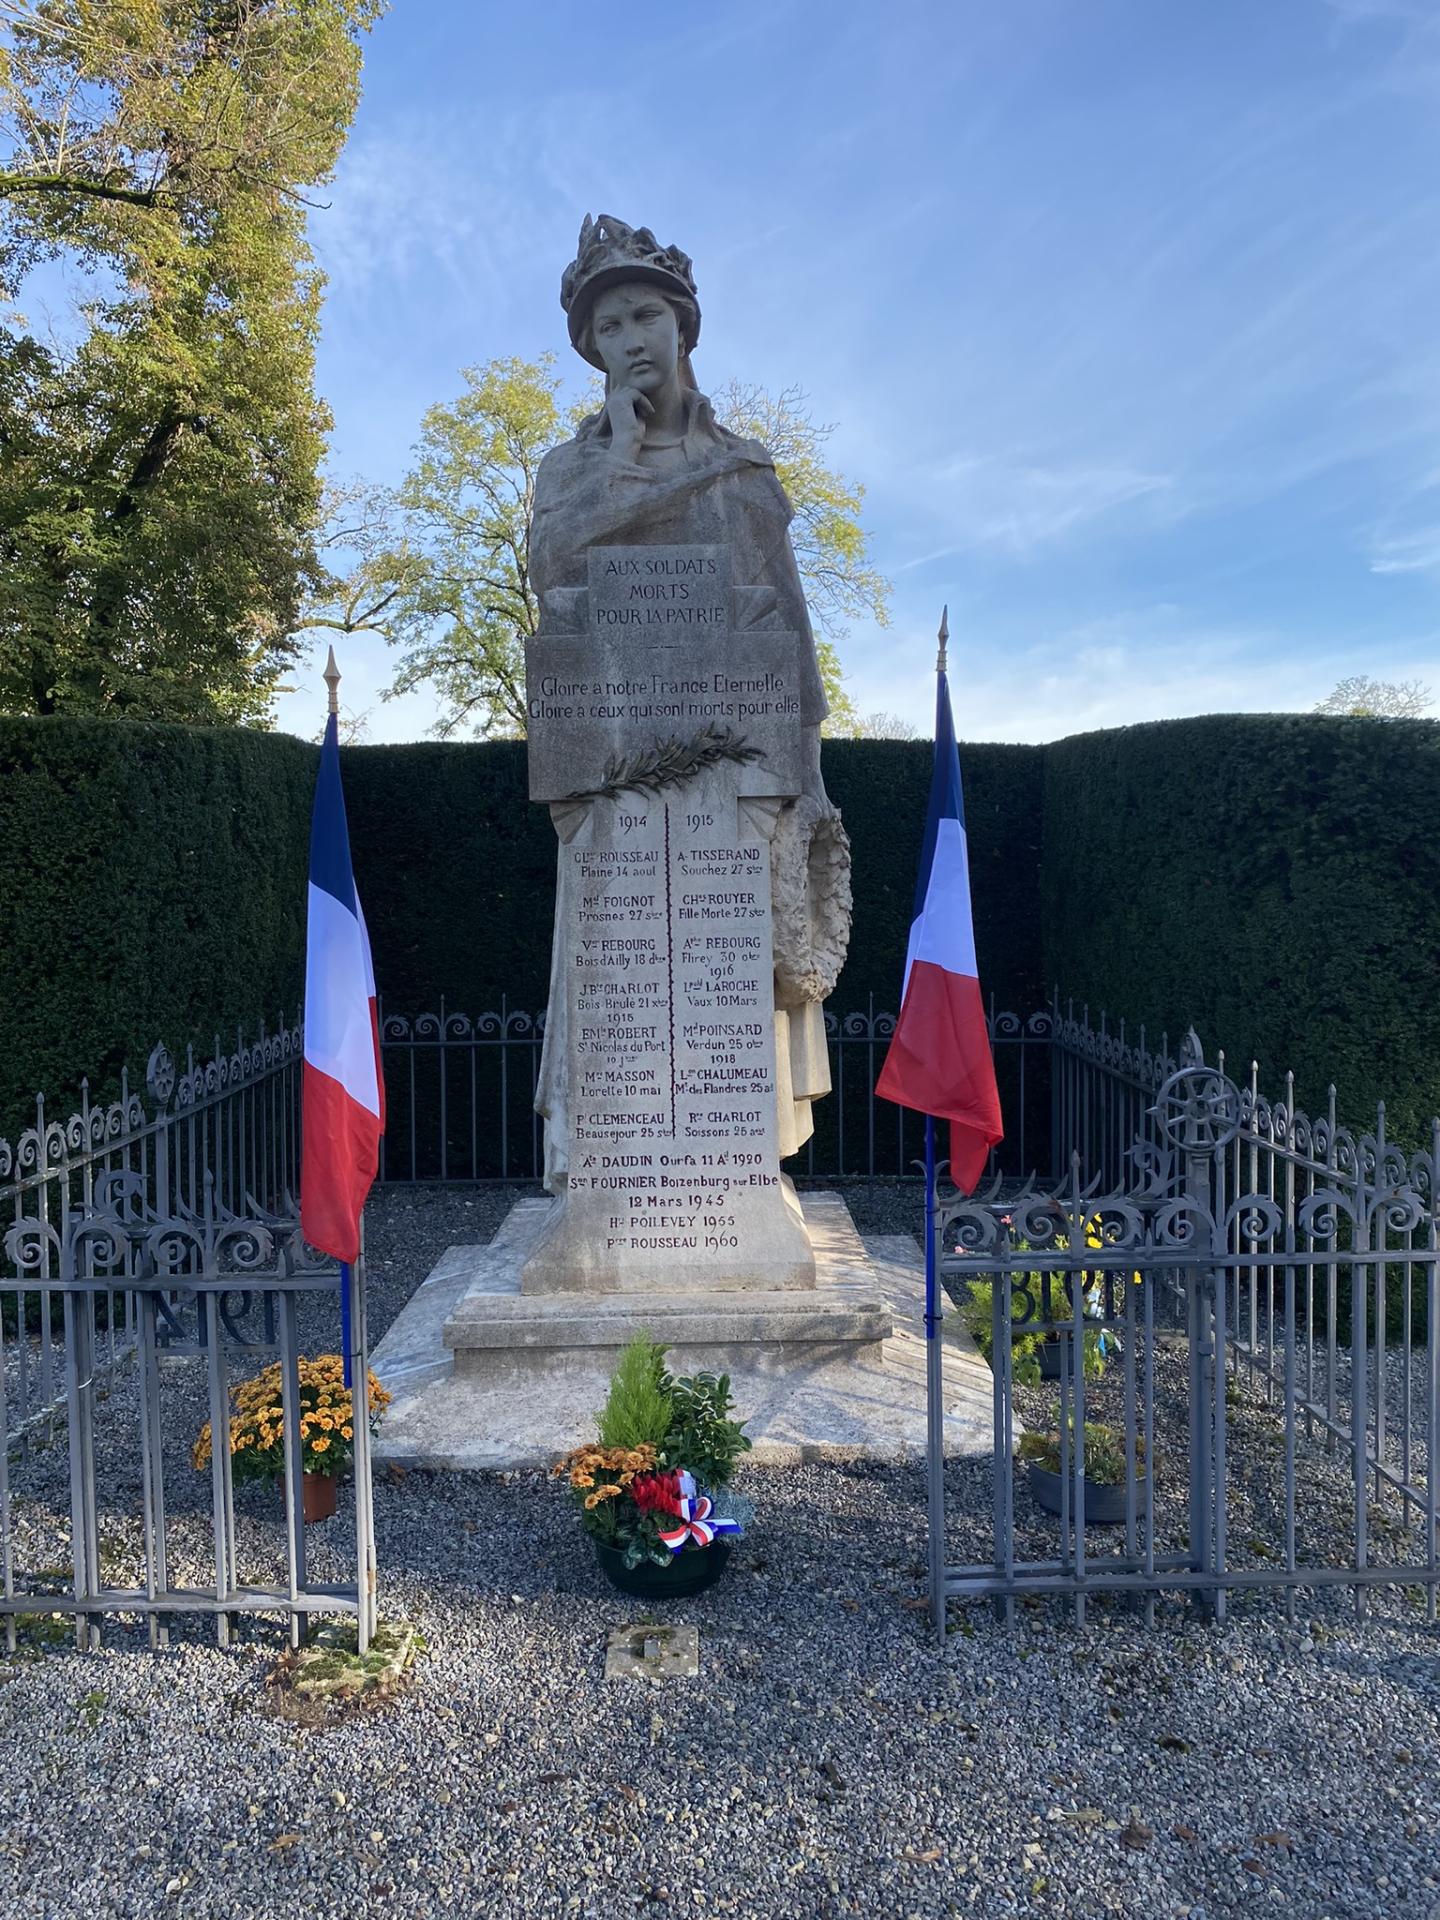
698, 1520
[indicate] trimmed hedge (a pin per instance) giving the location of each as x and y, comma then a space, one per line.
1274, 879
154, 878
1271, 879
457, 872
159, 875
881, 788
457, 868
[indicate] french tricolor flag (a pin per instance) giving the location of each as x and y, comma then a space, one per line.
939, 1060
342, 1111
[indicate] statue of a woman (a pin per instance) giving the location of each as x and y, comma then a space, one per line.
654, 466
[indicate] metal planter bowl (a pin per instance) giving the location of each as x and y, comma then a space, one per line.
690, 1571
1104, 1505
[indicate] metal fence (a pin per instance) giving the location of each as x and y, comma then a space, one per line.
460, 1093
1238, 1331
221, 1291
1265, 1286
222, 1132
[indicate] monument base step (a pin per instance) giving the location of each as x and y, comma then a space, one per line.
484, 1377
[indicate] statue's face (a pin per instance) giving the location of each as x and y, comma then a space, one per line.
638, 336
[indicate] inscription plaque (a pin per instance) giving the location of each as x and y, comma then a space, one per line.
667, 731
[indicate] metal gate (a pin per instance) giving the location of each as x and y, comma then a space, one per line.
204, 1295
1227, 1363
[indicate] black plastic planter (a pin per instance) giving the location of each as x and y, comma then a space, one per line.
689, 1571
1104, 1505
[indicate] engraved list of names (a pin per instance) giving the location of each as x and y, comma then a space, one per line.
673, 1064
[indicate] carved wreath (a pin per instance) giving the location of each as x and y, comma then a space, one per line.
811, 901
669, 763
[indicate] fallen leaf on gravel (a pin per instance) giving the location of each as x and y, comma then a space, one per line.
1172, 1743
1182, 1832
1255, 1866
550, 1779
929, 1854
920, 1601
627, 1793
832, 1773
1082, 1817
1136, 1834
1276, 1839
282, 1841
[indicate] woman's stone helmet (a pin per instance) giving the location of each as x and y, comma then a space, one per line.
610, 253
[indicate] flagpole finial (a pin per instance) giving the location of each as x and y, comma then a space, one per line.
944, 638
331, 677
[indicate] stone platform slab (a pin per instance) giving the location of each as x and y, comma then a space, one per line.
862, 1400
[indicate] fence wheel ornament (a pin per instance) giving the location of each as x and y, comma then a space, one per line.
1198, 1109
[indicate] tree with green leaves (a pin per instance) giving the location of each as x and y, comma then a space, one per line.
442, 568
159, 485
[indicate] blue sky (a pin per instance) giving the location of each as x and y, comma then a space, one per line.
1125, 309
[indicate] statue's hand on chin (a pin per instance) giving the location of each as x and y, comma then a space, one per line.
626, 411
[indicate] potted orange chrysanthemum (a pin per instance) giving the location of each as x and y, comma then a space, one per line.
327, 1433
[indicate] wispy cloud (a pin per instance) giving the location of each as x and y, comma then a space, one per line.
1150, 663
989, 502
1413, 63
419, 198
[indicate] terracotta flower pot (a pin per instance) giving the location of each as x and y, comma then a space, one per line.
318, 1491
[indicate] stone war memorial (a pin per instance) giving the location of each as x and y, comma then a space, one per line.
702, 914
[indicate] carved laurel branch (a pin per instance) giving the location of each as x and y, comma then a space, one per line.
669, 763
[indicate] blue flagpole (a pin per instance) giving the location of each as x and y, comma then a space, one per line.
345, 1318
929, 1226
934, 1354
934, 1397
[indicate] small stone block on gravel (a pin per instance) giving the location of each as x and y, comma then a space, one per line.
652, 1653
329, 1665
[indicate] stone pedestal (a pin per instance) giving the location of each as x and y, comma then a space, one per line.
485, 1375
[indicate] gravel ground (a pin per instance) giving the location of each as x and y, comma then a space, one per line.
828, 1761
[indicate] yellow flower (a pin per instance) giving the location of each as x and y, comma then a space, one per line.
319, 1446
348, 1433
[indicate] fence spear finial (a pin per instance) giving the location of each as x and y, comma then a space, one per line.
331, 677
944, 638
